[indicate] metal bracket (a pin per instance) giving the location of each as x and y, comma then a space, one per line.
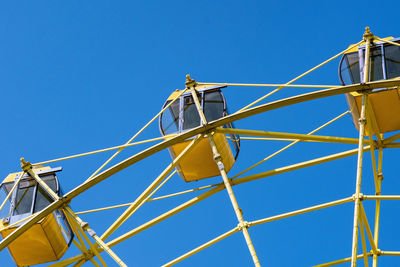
25, 165
360, 196
243, 225
189, 82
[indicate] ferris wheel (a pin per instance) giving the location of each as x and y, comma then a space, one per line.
39, 225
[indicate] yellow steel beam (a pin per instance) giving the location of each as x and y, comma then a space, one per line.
378, 204
372, 150
205, 245
364, 245
289, 145
67, 262
392, 145
357, 195
368, 229
300, 76
301, 137
141, 199
268, 85
183, 136
75, 224
386, 41
184, 192
243, 225
332, 263
390, 253
301, 211
384, 197
368, 37
391, 139
218, 160
109, 251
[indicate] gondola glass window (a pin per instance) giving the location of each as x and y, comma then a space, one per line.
48, 239
182, 115
384, 102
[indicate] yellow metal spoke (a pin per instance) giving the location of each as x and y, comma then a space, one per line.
368, 229
332, 263
386, 41
205, 245
141, 199
268, 85
184, 192
289, 145
301, 211
301, 137
364, 245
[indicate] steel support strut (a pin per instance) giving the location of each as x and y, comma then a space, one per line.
368, 37
243, 225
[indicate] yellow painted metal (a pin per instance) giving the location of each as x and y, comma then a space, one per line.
183, 192
368, 229
218, 158
74, 222
364, 245
301, 211
199, 163
289, 145
387, 40
67, 262
267, 85
206, 245
301, 137
384, 103
141, 199
11, 177
342, 261
368, 37
243, 225
390, 253
391, 139
27, 167
357, 195
42, 243
262, 108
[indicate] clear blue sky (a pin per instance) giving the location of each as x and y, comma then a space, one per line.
77, 76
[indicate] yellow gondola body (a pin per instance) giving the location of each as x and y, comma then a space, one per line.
199, 163
383, 104
47, 240
385, 110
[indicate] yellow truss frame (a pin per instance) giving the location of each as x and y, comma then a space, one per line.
92, 248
